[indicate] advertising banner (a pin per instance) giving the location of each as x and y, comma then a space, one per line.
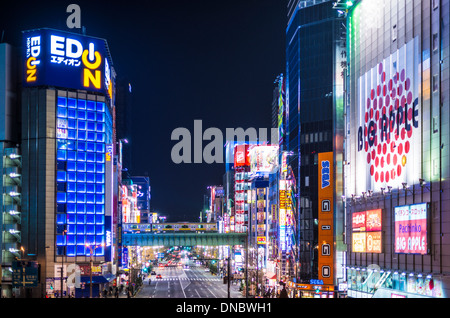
373, 242
263, 159
125, 258
359, 242
69, 60
366, 231
281, 109
326, 218
411, 229
241, 155
285, 213
387, 128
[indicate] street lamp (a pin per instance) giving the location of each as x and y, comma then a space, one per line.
62, 268
91, 249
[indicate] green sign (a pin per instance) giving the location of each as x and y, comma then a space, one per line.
25, 274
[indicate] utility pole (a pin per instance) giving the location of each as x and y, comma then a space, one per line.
229, 271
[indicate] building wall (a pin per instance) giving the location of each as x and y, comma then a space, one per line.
42, 231
389, 37
38, 170
313, 117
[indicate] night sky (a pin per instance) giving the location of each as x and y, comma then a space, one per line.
199, 59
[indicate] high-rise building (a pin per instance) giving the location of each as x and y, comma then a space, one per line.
397, 172
67, 159
10, 161
124, 112
315, 57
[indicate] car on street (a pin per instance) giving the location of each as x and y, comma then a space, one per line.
158, 276
152, 273
206, 269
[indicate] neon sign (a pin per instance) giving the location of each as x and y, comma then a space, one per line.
411, 223
325, 174
33, 45
387, 131
68, 60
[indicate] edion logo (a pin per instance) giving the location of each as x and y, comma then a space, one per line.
325, 174
69, 51
33, 53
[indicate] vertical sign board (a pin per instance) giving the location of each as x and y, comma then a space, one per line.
325, 196
125, 258
282, 215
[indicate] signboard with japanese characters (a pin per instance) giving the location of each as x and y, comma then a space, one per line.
67, 60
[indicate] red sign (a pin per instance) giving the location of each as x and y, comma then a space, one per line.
359, 221
241, 156
411, 229
369, 226
373, 220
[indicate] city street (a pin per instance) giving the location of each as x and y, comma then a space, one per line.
195, 282
232, 150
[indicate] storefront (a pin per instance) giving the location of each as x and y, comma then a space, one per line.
310, 290
369, 283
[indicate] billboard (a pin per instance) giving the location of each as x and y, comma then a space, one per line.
143, 192
411, 228
326, 218
281, 109
68, 60
263, 159
387, 128
367, 221
241, 155
366, 231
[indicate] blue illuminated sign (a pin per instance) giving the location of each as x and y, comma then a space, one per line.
68, 60
84, 129
325, 173
125, 258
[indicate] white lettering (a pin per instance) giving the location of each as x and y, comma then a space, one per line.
70, 43
35, 44
57, 45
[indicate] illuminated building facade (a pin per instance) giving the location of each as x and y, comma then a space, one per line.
262, 201
397, 171
129, 202
314, 121
67, 151
143, 197
241, 187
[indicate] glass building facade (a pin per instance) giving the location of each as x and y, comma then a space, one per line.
314, 114
84, 128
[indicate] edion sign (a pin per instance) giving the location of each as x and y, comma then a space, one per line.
63, 59
411, 224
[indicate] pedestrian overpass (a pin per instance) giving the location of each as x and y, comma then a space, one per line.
183, 239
